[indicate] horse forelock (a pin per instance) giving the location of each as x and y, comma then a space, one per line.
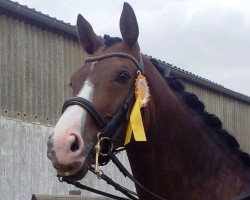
109, 41
211, 120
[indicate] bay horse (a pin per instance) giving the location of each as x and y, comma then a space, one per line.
187, 153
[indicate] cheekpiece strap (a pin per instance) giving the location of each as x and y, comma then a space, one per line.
139, 64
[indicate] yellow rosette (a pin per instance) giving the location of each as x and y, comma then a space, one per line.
135, 125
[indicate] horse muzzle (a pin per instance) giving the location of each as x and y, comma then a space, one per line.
65, 153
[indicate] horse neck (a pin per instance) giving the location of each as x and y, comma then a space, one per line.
182, 158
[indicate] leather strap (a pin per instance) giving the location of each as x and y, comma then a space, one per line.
84, 103
84, 187
126, 173
139, 64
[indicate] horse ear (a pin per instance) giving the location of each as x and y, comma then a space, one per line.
128, 26
89, 40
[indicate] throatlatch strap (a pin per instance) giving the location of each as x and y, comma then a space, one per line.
111, 129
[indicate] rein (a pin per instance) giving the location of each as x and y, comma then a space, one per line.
108, 133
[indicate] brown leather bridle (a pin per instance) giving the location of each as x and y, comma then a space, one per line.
107, 129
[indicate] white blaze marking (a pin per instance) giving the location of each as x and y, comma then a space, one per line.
74, 117
92, 65
86, 91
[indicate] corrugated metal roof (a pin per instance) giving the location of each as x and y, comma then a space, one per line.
172, 70
70, 29
38, 16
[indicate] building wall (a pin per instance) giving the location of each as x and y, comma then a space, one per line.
25, 168
36, 65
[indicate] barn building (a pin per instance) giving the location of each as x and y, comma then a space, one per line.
38, 54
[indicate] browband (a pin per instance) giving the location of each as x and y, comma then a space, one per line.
119, 54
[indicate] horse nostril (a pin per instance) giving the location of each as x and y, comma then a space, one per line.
74, 146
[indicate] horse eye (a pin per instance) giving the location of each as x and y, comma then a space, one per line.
123, 77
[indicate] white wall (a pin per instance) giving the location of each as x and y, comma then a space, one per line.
25, 168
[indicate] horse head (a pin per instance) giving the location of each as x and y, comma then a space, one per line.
103, 90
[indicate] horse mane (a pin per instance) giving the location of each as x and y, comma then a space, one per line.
211, 120
195, 104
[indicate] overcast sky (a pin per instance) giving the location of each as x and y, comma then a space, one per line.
210, 38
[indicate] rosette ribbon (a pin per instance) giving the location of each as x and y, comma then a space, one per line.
135, 124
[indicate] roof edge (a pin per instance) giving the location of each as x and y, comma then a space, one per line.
190, 77
40, 17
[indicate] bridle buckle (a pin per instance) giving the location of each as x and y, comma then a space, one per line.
98, 150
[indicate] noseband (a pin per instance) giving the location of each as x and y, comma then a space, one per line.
109, 129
